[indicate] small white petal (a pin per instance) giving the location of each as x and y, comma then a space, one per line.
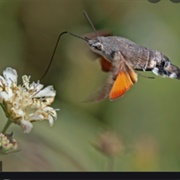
36, 86
9, 91
51, 112
26, 126
47, 108
46, 92
32, 85
36, 117
10, 75
4, 97
20, 112
26, 80
51, 120
2, 81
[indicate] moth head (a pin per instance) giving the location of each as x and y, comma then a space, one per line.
96, 46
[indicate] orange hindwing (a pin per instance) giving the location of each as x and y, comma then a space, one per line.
123, 82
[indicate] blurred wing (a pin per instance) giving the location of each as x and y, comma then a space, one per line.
123, 82
99, 33
116, 87
102, 93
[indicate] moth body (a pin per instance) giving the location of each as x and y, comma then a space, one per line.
138, 57
122, 58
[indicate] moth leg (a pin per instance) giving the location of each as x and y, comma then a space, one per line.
145, 67
149, 77
148, 69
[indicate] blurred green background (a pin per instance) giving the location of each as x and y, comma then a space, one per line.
146, 119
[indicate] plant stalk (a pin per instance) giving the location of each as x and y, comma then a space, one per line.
6, 126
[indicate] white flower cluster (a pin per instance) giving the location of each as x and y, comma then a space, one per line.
26, 103
7, 143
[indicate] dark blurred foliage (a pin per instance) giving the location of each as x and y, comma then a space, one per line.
147, 118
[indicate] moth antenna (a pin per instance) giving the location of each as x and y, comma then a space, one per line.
90, 22
56, 45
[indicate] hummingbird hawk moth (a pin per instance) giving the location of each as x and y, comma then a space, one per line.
122, 58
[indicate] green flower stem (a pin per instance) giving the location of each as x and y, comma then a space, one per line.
6, 126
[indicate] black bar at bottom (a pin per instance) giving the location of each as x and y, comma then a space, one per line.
0, 166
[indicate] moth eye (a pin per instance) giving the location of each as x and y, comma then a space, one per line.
98, 47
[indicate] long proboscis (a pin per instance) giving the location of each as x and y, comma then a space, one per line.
55, 48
